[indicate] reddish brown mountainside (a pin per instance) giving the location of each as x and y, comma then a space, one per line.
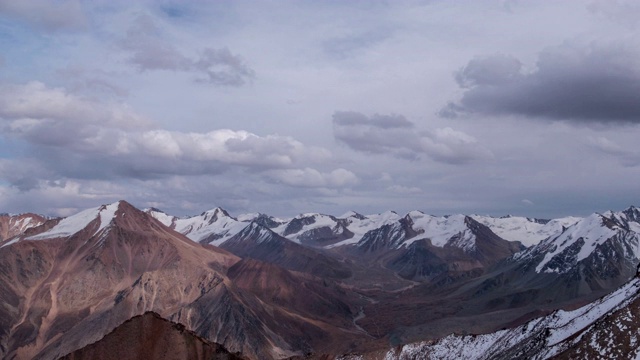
149, 336
68, 286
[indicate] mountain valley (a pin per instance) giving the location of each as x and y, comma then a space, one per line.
312, 285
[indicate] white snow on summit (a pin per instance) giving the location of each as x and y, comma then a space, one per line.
215, 221
442, 229
75, 223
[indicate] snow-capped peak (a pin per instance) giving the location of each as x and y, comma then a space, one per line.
579, 240
441, 230
256, 232
215, 225
214, 214
75, 223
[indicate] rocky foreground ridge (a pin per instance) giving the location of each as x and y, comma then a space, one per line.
149, 336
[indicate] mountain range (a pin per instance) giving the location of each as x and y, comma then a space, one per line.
314, 284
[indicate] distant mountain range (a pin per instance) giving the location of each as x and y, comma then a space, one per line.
327, 231
314, 284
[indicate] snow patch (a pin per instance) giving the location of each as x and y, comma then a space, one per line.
15, 240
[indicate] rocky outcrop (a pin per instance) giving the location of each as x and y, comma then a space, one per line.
149, 336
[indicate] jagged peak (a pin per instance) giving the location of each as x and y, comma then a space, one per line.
215, 214
255, 226
633, 213
256, 232
215, 211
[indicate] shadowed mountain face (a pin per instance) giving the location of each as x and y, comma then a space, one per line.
258, 242
149, 336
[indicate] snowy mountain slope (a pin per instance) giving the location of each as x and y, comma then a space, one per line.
212, 227
166, 219
526, 230
360, 225
12, 225
454, 247
314, 229
440, 230
581, 333
96, 219
75, 223
389, 230
599, 238
262, 219
455, 231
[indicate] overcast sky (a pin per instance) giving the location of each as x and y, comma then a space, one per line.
489, 107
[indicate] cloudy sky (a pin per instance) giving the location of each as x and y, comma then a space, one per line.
489, 107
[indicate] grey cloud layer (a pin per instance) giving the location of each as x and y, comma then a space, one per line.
395, 135
189, 105
626, 156
69, 136
572, 81
150, 51
48, 15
